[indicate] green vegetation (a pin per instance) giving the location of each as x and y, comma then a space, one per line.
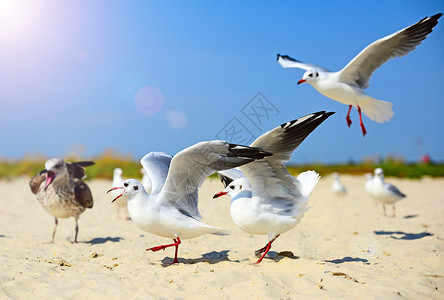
107, 161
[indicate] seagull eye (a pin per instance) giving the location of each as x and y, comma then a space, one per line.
136, 187
126, 184
317, 74
310, 75
231, 187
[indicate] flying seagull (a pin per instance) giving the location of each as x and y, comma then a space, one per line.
347, 85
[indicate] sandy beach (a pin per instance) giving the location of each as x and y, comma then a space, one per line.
343, 248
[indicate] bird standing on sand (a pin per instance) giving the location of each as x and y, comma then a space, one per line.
347, 85
117, 180
384, 192
61, 191
265, 198
171, 209
337, 187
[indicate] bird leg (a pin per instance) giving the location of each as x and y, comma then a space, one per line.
393, 211
54, 232
364, 132
347, 118
162, 247
77, 231
264, 250
383, 206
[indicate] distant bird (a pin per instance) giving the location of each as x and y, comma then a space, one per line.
117, 180
171, 210
60, 190
383, 192
337, 186
265, 198
347, 85
368, 182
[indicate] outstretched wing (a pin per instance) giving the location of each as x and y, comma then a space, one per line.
77, 169
288, 62
269, 177
191, 166
359, 70
156, 165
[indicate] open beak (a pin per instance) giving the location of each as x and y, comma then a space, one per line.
301, 81
49, 177
219, 194
116, 188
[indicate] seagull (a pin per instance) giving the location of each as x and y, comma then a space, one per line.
61, 191
346, 86
337, 187
171, 209
265, 198
384, 192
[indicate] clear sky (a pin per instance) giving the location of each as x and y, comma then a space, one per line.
142, 76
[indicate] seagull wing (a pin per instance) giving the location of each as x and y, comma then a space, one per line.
191, 166
156, 166
82, 193
288, 62
268, 177
359, 70
77, 169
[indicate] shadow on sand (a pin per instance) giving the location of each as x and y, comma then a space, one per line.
404, 235
348, 259
212, 257
96, 241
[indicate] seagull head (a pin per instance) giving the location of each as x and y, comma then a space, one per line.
234, 188
309, 76
129, 187
379, 173
53, 167
117, 172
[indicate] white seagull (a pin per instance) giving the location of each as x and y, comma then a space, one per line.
337, 187
265, 198
171, 210
384, 192
347, 85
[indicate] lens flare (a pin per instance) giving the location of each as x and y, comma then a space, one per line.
149, 100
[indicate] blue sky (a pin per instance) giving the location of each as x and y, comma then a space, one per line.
141, 76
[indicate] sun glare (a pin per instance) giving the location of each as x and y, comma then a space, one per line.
16, 17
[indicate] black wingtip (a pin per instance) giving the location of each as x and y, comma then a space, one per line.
247, 151
321, 116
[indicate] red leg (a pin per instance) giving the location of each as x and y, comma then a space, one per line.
265, 250
162, 247
364, 132
349, 121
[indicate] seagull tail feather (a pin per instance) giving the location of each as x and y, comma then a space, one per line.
377, 110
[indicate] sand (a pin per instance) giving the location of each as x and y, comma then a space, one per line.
342, 248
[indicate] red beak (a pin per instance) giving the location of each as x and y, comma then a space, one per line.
219, 194
301, 81
116, 188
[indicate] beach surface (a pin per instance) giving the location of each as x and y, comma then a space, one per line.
344, 247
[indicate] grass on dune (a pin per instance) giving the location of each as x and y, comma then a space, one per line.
107, 161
